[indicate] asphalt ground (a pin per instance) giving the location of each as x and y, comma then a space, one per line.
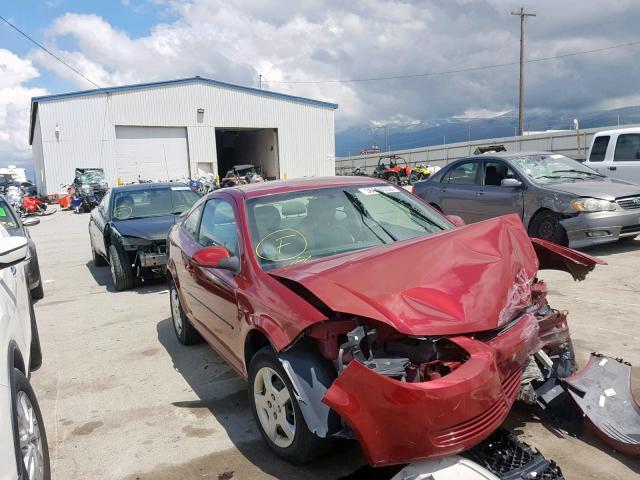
122, 399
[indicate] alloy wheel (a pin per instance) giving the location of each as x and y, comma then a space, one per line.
175, 311
274, 406
30, 437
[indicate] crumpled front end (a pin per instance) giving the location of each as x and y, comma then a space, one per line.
462, 395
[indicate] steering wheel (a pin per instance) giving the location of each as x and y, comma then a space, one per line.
122, 212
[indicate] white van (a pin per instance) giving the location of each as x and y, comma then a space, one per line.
616, 154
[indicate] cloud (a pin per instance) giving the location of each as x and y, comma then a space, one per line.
15, 106
307, 40
481, 113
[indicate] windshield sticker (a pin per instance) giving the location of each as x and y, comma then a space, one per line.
375, 190
180, 188
282, 245
3, 212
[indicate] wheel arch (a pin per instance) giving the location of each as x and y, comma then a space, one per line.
253, 342
16, 360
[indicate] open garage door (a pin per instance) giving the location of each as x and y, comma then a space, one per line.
151, 153
251, 146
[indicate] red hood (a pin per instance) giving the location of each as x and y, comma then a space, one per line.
464, 280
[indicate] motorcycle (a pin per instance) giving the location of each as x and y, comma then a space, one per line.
87, 189
35, 206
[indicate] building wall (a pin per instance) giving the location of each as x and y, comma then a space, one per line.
87, 127
38, 160
564, 142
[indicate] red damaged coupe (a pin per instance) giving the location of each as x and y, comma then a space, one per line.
353, 309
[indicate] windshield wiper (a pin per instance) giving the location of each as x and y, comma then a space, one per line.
411, 208
362, 210
557, 176
571, 170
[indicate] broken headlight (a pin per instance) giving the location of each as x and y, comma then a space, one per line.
593, 205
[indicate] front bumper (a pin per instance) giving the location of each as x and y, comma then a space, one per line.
588, 229
401, 422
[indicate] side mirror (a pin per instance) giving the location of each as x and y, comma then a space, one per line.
510, 182
456, 220
216, 257
13, 250
30, 221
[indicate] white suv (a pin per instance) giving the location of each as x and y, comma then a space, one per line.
24, 452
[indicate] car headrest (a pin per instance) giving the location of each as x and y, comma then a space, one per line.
267, 218
293, 207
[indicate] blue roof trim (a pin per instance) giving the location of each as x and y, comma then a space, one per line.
208, 81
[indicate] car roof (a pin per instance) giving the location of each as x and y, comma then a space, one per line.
618, 131
507, 155
147, 186
254, 190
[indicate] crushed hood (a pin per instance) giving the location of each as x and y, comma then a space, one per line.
463, 280
605, 188
152, 228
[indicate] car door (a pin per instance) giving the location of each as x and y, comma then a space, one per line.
493, 199
212, 292
626, 158
458, 190
97, 222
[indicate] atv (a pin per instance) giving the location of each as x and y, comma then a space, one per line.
397, 171
420, 172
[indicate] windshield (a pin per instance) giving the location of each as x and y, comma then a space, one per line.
154, 202
92, 176
7, 220
300, 226
553, 168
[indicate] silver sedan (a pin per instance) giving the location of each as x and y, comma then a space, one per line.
557, 198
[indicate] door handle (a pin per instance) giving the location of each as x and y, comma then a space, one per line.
613, 168
479, 192
443, 190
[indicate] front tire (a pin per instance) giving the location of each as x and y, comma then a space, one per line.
546, 225
121, 271
277, 413
30, 437
185, 332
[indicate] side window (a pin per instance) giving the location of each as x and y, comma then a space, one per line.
218, 226
190, 224
627, 148
599, 149
495, 172
104, 204
463, 174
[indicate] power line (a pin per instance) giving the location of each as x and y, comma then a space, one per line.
460, 70
48, 51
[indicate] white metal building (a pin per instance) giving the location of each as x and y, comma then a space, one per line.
179, 129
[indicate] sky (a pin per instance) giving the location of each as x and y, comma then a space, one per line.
115, 42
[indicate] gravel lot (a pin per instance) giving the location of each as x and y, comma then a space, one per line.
122, 399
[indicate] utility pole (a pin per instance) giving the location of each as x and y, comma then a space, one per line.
522, 14
260, 81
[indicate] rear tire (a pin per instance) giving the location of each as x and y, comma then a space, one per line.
293, 442
185, 332
121, 272
546, 225
393, 179
30, 438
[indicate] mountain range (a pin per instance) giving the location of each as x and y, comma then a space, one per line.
457, 129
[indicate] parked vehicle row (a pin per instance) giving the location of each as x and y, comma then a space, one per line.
24, 450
